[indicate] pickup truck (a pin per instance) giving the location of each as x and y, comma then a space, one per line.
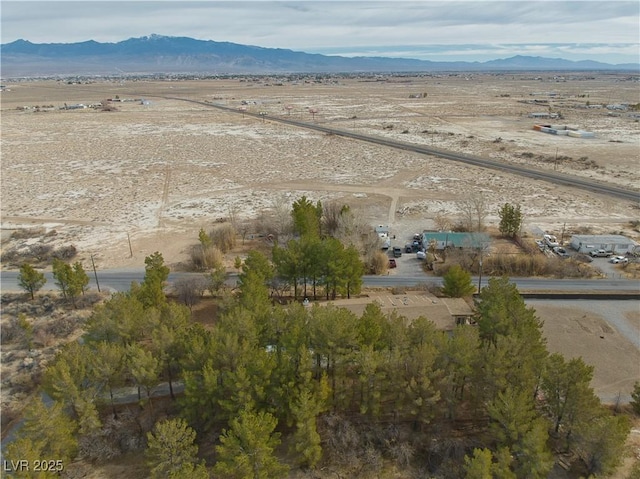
397, 251
600, 253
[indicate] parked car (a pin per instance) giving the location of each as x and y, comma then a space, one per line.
560, 251
619, 259
397, 251
600, 253
421, 255
392, 263
408, 248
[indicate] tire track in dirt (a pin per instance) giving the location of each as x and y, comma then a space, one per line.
31, 219
165, 196
393, 193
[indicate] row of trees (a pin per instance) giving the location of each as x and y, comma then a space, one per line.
314, 263
264, 370
71, 279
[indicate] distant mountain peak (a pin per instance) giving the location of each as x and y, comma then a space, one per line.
156, 53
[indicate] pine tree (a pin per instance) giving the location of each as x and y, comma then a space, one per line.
478, 466
306, 440
246, 449
510, 220
171, 448
457, 283
30, 280
150, 292
50, 431
67, 380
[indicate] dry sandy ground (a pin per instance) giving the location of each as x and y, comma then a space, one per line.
156, 173
161, 171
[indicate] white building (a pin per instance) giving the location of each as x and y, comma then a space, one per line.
616, 243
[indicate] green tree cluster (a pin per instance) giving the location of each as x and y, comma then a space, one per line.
510, 220
72, 280
310, 264
262, 370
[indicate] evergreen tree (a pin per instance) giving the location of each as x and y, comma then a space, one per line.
67, 380
600, 442
306, 217
80, 278
72, 281
246, 449
107, 368
121, 318
150, 292
478, 466
514, 348
501, 468
170, 447
459, 358
568, 395
143, 368
511, 413
534, 461
30, 280
288, 265
306, 440
457, 283
510, 220
49, 430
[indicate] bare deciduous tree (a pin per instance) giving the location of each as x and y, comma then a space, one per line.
442, 222
190, 290
474, 210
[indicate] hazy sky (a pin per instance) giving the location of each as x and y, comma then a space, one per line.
434, 30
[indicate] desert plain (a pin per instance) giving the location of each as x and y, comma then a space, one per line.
147, 175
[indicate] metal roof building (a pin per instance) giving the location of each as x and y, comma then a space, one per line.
455, 240
616, 243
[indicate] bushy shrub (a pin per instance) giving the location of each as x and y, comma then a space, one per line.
377, 263
224, 237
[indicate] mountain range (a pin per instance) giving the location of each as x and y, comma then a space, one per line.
164, 54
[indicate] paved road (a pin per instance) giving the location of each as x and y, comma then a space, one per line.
544, 175
120, 280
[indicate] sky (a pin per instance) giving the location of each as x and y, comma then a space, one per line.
452, 30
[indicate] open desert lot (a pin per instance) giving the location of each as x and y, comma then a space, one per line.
156, 169
160, 169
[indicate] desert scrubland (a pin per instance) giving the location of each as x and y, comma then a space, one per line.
153, 171
160, 171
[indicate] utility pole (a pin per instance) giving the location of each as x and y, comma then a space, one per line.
130, 249
95, 273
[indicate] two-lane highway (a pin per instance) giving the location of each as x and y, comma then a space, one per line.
121, 279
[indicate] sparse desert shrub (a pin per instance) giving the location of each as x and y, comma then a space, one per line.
65, 252
398, 290
25, 233
41, 252
224, 237
10, 333
61, 327
42, 338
